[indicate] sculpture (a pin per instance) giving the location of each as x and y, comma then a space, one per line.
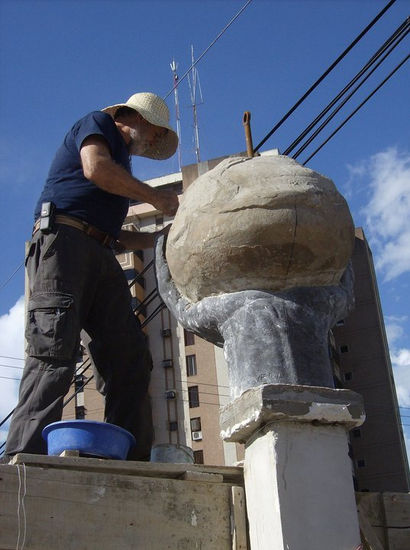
257, 262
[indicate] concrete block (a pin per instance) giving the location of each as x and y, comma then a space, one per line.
284, 402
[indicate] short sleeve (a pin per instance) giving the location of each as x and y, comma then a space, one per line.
96, 123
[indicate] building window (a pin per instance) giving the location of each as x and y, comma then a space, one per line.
173, 426
198, 457
193, 397
196, 424
344, 349
348, 375
361, 463
80, 412
189, 338
190, 365
79, 382
357, 433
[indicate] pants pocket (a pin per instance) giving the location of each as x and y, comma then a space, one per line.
52, 328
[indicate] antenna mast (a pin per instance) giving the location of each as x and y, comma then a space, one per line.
195, 84
174, 67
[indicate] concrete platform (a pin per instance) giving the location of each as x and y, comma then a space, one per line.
70, 503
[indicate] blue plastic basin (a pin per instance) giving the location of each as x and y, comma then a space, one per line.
89, 437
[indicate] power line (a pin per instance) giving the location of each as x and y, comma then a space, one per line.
392, 42
9, 378
210, 46
357, 109
11, 276
11, 367
321, 78
6, 418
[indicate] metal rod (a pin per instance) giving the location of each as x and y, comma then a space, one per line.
248, 133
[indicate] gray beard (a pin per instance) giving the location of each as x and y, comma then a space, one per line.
136, 146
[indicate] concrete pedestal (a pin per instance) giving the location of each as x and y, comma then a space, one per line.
298, 476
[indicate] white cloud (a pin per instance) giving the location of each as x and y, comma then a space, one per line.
11, 345
387, 210
394, 332
401, 366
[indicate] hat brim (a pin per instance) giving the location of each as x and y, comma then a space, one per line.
165, 146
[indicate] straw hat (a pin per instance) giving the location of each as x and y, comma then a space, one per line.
155, 111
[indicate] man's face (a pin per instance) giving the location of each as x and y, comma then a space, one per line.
143, 135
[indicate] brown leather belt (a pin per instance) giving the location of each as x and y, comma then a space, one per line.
104, 238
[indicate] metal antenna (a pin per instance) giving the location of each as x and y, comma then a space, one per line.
194, 84
174, 67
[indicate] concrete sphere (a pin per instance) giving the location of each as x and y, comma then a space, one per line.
264, 223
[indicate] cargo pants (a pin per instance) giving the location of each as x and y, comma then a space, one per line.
76, 283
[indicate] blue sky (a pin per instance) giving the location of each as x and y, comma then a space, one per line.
60, 59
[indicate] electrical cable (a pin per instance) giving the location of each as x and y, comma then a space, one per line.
132, 283
6, 418
337, 109
391, 42
11, 276
209, 47
153, 314
324, 75
357, 109
11, 367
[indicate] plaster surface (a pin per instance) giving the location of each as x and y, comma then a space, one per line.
267, 337
299, 489
272, 404
259, 223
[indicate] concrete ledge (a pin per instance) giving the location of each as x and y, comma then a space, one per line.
232, 475
288, 403
69, 503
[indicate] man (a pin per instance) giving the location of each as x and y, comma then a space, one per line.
75, 280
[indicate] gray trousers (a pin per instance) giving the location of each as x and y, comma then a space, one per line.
76, 283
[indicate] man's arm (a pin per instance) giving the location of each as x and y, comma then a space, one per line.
136, 240
99, 167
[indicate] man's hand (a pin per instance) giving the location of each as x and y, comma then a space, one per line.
166, 201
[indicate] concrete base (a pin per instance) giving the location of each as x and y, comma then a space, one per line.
298, 476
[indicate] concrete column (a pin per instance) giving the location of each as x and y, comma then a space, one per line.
298, 476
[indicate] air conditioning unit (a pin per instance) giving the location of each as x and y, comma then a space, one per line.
166, 363
171, 394
196, 436
166, 332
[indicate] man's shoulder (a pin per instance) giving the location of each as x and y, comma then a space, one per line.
96, 117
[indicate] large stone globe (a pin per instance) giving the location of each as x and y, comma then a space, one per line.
264, 223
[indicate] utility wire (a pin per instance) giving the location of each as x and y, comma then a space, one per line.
210, 46
321, 78
335, 111
357, 108
6, 418
391, 42
11, 276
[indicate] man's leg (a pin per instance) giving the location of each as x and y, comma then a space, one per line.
120, 354
57, 279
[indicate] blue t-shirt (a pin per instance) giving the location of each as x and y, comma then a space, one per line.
71, 192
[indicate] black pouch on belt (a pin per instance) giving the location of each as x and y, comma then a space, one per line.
47, 216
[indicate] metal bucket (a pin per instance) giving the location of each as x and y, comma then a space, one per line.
176, 454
